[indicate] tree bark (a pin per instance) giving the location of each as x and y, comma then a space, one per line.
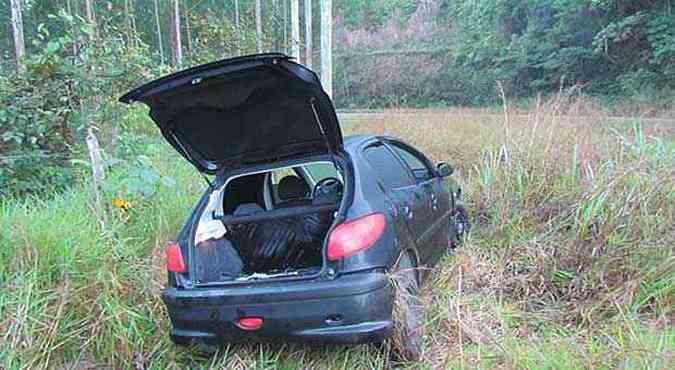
17, 31
69, 9
127, 19
236, 25
308, 33
284, 3
188, 31
275, 17
295, 30
258, 25
134, 30
97, 168
91, 18
327, 46
159, 32
177, 45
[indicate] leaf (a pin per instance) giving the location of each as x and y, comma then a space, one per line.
53, 47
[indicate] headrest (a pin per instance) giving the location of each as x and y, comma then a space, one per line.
247, 209
292, 187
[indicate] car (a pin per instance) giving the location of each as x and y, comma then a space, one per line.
300, 231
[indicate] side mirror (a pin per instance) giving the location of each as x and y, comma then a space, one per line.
444, 169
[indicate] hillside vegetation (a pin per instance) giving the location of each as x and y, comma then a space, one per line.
570, 263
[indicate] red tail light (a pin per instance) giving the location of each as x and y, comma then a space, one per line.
174, 259
352, 237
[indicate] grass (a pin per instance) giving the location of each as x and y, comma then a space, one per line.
570, 262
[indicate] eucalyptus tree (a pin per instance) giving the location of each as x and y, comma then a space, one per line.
17, 31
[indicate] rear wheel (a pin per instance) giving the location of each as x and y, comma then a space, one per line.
408, 312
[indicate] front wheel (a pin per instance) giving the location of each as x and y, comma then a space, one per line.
408, 312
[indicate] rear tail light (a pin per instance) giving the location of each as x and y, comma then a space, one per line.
174, 258
354, 236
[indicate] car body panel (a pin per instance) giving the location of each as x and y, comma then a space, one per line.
240, 111
354, 308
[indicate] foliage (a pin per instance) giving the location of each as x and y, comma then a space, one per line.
45, 110
531, 46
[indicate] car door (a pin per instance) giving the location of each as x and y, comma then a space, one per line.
432, 202
398, 187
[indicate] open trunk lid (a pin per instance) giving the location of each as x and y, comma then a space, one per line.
241, 111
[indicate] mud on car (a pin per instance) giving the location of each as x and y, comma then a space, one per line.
300, 231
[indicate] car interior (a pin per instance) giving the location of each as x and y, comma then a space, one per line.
275, 223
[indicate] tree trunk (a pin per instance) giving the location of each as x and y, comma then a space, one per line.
134, 30
91, 18
17, 31
308, 33
285, 21
69, 9
295, 30
275, 17
327, 46
159, 32
127, 21
188, 31
236, 25
177, 45
97, 169
258, 25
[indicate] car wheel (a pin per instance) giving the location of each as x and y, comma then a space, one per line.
407, 313
460, 221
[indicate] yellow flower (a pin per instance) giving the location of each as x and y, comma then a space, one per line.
122, 204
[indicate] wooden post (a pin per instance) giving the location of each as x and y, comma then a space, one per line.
308, 33
295, 30
258, 25
159, 32
17, 31
326, 46
177, 45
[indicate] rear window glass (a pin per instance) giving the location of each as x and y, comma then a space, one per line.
387, 167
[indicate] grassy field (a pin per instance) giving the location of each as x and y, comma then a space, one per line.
570, 262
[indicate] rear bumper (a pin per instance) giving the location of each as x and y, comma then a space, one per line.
353, 308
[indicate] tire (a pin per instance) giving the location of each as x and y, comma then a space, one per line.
461, 225
407, 313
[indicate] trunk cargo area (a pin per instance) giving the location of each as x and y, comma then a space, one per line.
282, 242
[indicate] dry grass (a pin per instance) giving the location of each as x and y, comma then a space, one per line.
570, 262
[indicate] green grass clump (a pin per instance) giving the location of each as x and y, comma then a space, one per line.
570, 263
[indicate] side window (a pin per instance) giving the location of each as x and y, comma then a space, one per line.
418, 166
387, 167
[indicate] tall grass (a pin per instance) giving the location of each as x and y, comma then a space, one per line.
570, 262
